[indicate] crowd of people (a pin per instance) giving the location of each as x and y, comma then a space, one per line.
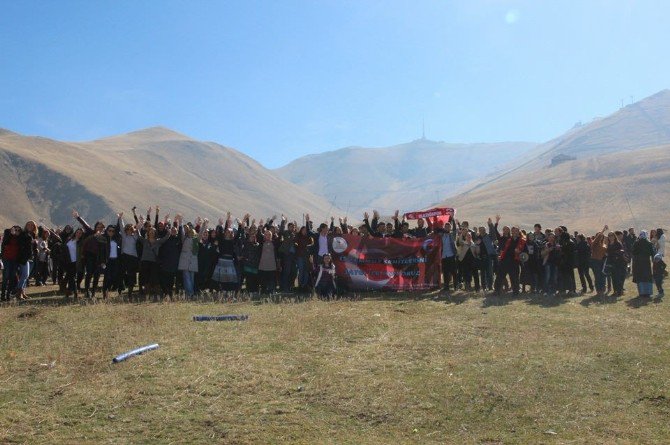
167, 258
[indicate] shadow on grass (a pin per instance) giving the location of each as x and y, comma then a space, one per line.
494, 299
435, 295
549, 301
638, 302
460, 298
604, 299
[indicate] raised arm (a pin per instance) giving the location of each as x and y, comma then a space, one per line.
203, 227
366, 223
431, 223
87, 229
54, 235
493, 228
178, 219
119, 222
240, 235
343, 225
270, 222
282, 225
375, 220
308, 224
396, 221
229, 222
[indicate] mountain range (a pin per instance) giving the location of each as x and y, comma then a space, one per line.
407, 176
613, 170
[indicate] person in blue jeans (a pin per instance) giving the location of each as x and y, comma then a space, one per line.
551, 254
488, 255
26, 241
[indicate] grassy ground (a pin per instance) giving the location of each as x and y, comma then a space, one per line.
388, 369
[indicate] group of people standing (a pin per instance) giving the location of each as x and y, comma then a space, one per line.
160, 258
545, 261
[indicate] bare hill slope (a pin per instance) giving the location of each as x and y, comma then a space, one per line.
407, 176
146, 167
615, 170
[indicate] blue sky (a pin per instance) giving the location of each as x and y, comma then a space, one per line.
281, 79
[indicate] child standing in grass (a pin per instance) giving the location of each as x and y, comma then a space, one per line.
325, 280
659, 273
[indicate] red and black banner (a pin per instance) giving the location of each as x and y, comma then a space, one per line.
432, 213
406, 264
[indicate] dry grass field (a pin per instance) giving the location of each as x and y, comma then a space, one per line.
387, 369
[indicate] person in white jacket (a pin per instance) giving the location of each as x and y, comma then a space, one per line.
660, 243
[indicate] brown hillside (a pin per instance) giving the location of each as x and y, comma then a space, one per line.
614, 170
147, 167
622, 190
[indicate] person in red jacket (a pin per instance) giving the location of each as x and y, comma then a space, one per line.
510, 260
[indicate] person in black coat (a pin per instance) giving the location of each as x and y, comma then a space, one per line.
617, 261
583, 260
168, 260
566, 268
10, 253
322, 241
228, 241
643, 254
112, 253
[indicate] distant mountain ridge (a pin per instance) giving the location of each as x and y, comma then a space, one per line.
614, 169
405, 176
